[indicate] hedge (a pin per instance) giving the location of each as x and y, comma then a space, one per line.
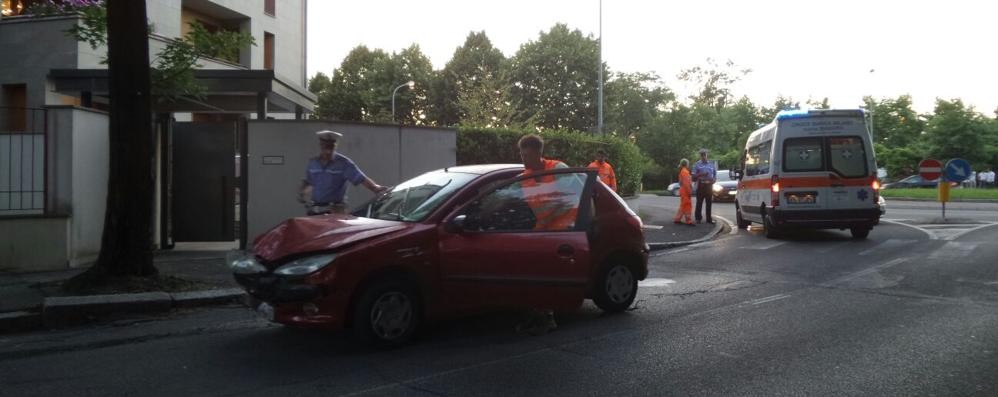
494, 145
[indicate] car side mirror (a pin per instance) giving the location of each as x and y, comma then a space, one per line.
456, 224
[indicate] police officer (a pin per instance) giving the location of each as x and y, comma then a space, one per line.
326, 177
704, 175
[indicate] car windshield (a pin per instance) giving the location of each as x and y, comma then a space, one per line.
415, 199
722, 176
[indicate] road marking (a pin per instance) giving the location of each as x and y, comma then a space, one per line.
652, 227
656, 282
864, 272
960, 234
769, 299
887, 245
765, 246
953, 250
926, 231
832, 247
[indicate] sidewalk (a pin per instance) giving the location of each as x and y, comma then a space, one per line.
660, 231
32, 300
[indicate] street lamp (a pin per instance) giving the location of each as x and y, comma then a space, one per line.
410, 84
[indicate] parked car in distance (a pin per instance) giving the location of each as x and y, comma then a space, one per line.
724, 188
451, 241
914, 181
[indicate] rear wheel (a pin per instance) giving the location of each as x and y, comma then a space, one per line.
769, 228
616, 287
859, 233
387, 314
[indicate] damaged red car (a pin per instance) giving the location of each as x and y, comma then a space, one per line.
451, 241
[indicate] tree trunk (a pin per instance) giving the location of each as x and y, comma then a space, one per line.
126, 246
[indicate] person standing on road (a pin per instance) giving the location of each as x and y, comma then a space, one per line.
540, 321
326, 177
991, 178
604, 169
685, 212
704, 175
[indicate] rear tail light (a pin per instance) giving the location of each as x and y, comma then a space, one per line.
876, 189
876, 184
775, 191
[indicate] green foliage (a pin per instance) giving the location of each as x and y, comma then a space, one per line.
956, 130
895, 123
474, 70
222, 44
555, 77
955, 194
632, 101
900, 161
496, 145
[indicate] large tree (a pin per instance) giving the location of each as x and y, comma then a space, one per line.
126, 246
957, 130
632, 101
475, 63
895, 123
556, 75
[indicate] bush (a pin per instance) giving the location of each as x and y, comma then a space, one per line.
495, 145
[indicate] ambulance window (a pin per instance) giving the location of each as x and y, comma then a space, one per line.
802, 154
847, 156
764, 151
757, 159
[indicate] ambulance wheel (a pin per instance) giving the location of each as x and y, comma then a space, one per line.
742, 223
859, 233
769, 228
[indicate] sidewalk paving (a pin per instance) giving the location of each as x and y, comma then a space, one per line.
660, 231
30, 301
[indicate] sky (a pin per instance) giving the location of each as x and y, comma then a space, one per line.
842, 49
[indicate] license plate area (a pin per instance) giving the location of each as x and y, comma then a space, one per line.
801, 198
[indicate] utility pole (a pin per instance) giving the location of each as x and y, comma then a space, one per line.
599, 67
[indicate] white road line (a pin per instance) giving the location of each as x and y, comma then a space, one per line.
953, 250
652, 227
958, 235
927, 232
764, 246
887, 245
734, 229
861, 273
832, 247
769, 299
656, 282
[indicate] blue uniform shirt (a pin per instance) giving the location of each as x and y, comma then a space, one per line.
329, 182
704, 171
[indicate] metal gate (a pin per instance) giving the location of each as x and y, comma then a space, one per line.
203, 181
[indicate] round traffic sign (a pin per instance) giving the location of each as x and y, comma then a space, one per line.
956, 170
930, 169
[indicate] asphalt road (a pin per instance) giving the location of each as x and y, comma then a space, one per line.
910, 311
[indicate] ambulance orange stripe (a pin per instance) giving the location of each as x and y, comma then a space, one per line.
809, 181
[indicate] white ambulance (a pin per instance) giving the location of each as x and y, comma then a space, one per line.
809, 169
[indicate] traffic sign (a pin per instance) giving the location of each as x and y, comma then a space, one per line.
930, 169
956, 170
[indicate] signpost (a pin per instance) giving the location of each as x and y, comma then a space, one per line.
930, 170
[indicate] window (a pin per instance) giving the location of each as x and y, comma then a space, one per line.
268, 51
15, 98
757, 159
270, 7
547, 203
803, 154
415, 199
847, 156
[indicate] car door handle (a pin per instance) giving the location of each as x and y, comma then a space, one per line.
566, 251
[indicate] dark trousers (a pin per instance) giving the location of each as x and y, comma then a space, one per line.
705, 192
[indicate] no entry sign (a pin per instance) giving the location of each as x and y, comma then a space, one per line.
930, 169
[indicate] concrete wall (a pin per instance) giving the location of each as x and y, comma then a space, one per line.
34, 243
29, 48
386, 153
91, 150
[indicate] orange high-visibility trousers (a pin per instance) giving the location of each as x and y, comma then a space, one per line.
685, 212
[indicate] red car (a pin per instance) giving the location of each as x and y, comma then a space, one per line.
449, 241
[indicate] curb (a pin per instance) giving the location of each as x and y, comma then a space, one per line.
718, 226
65, 311
952, 200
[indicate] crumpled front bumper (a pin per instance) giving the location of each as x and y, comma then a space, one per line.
277, 290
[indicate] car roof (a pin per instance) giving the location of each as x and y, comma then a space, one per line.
481, 169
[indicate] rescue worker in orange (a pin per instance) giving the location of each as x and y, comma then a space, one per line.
604, 169
685, 212
541, 320
540, 193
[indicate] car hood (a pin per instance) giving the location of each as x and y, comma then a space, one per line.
728, 184
319, 233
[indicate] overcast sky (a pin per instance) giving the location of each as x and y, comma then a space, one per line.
929, 49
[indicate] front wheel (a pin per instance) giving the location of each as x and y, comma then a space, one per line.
387, 315
616, 288
859, 233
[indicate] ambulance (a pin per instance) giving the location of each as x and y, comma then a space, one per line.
809, 169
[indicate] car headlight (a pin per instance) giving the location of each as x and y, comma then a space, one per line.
305, 266
718, 188
247, 266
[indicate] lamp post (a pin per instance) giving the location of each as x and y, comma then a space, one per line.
599, 67
410, 84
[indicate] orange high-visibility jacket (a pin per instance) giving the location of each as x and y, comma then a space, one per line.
606, 174
550, 212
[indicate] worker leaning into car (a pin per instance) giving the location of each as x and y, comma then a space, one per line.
550, 214
604, 169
